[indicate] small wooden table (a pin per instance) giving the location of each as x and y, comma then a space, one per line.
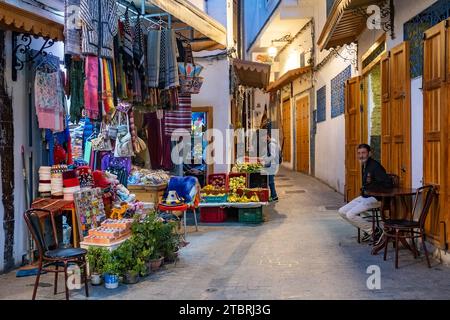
56, 207
386, 196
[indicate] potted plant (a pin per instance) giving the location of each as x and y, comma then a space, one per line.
111, 273
170, 242
97, 258
129, 264
144, 241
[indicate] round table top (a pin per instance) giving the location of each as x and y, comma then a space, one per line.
398, 191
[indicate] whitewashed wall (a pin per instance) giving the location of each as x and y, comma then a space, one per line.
19, 93
215, 93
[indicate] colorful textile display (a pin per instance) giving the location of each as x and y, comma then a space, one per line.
180, 118
91, 87
48, 97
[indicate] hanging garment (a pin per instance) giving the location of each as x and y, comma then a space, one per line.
107, 88
91, 87
153, 57
72, 27
133, 130
154, 143
48, 93
98, 16
138, 48
76, 75
180, 118
127, 51
168, 74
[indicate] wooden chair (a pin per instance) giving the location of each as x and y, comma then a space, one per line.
402, 229
375, 215
50, 255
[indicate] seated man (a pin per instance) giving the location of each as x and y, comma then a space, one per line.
373, 177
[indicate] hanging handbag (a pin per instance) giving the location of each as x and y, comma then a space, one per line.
112, 128
124, 144
189, 72
102, 142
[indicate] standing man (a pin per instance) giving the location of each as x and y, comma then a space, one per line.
271, 161
373, 177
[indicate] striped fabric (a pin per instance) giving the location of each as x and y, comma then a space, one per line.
93, 12
180, 118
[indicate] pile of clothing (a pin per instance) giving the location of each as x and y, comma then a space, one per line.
139, 176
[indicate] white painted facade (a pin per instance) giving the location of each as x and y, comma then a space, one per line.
18, 91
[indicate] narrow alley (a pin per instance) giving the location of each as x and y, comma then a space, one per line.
303, 251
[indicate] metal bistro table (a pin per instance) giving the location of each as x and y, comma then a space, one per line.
387, 195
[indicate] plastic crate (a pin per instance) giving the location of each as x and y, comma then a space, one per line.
258, 180
215, 199
213, 176
239, 174
262, 193
213, 214
250, 215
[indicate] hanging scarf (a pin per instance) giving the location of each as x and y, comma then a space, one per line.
76, 75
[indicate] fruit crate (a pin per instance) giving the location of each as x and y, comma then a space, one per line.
215, 198
220, 178
262, 193
238, 174
258, 180
213, 214
251, 215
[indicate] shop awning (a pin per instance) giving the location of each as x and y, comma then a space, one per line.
345, 22
194, 17
287, 78
251, 74
23, 21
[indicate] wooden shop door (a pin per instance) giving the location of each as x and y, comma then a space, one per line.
286, 130
302, 134
396, 113
353, 137
435, 128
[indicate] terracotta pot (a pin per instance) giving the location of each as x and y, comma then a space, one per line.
155, 264
96, 279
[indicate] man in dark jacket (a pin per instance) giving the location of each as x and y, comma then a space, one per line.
374, 177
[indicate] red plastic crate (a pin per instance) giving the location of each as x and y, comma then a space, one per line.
222, 176
263, 194
213, 214
238, 174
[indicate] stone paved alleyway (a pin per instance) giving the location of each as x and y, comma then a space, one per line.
304, 251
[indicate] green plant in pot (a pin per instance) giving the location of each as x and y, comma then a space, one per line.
129, 264
97, 258
144, 240
170, 242
111, 272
